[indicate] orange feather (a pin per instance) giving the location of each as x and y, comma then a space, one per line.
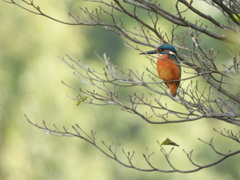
168, 72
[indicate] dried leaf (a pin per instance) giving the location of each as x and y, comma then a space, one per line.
169, 142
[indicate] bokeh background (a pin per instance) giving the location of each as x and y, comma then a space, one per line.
30, 83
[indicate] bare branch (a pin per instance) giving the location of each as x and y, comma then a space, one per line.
112, 151
209, 86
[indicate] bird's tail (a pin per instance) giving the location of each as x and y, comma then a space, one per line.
173, 88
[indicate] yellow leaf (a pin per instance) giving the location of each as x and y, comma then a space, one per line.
82, 99
237, 17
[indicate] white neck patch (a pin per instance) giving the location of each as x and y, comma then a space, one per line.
170, 52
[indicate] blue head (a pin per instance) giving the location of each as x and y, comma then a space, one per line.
167, 47
162, 48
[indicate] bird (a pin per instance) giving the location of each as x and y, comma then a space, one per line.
168, 66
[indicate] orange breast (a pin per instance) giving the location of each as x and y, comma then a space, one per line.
168, 70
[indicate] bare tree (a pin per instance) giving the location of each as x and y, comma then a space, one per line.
219, 99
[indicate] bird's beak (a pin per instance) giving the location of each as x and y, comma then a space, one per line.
150, 52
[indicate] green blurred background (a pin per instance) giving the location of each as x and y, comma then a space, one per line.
30, 83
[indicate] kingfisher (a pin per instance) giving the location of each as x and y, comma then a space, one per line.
168, 66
